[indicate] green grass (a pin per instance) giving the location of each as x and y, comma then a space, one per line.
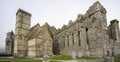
61, 57
18, 60
117, 60
117, 57
88, 58
54, 61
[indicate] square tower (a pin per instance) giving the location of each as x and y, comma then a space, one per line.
22, 28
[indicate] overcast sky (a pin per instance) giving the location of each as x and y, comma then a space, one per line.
55, 12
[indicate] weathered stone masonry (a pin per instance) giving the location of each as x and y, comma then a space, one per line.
9, 43
31, 42
88, 35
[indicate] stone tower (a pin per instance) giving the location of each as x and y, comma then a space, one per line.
114, 37
9, 43
22, 29
114, 30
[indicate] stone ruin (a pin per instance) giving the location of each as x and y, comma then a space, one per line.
9, 43
88, 35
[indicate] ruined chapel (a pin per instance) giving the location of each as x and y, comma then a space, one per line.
88, 35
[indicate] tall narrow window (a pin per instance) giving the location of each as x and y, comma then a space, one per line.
64, 41
68, 39
87, 36
86, 29
73, 38
79, 38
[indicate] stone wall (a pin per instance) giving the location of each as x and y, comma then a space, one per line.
31, 48
87, 35
44, 42
40, 43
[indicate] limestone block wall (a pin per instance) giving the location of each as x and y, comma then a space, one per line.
72, 39
31, 48
44, 48
22, 26
20, 48
38, 47
44, 43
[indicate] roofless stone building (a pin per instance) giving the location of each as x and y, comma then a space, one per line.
88, 35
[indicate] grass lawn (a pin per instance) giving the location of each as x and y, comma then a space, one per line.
117, 58
88, 58
18, 60
61, 57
